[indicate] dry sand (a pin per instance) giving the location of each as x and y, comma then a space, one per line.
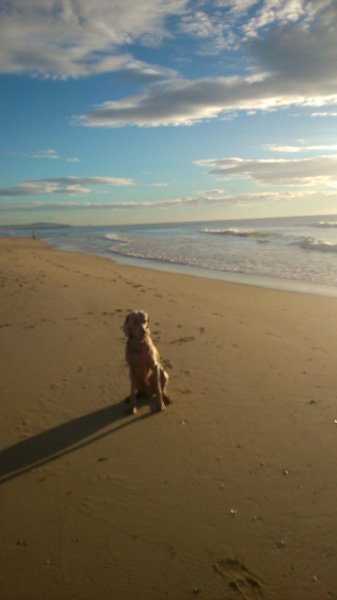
230, 494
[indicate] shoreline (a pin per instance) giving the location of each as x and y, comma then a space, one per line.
268, 281
230, 492
260, 281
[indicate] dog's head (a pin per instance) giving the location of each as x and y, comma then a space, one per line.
136, 325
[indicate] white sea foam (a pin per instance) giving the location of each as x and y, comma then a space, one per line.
311, 243
280, 249
114, 237
326, 224
156, 257
245, 233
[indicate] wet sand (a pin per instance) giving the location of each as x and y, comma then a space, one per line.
228, 494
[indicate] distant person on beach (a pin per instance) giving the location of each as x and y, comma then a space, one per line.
33, 235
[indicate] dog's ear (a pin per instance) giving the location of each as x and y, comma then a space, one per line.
146, 318
126, 327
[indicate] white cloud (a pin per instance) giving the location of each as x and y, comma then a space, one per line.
293, 64
325, 114
277, 11
301, 148
72, 38
184, 102
226, 23
49, 154
64, 38
288, 51
306, 171
211, 30
299, 55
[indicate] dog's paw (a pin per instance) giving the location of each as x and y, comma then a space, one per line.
157, 407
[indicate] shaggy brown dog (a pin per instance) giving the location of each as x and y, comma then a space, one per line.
147, 375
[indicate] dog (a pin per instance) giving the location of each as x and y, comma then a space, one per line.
147, 375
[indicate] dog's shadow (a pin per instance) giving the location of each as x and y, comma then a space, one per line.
63, 439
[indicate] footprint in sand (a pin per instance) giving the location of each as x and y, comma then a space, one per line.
240, 582
183, 340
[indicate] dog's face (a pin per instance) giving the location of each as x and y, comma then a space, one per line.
136, 324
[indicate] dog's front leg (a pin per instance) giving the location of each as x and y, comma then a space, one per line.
133, 395
158, 388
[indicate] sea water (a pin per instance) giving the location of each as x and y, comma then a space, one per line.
294, 253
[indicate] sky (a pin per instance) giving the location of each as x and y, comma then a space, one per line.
129, 111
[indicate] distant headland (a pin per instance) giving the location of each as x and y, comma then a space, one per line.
33, 226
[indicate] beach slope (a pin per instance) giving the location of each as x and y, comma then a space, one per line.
228, 494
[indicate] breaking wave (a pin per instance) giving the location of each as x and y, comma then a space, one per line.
117, 239
291, 249
245, 233
325, 224
311, 243
180, 260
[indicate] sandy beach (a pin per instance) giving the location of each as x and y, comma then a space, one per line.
230, 494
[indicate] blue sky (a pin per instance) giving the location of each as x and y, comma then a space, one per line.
121, 111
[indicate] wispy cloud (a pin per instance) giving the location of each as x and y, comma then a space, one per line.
49, 154
203, 199
301, 148
52, 154
324, 115
305, 171
61, 185
109, 181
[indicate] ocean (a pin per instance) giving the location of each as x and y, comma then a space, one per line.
292, 253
